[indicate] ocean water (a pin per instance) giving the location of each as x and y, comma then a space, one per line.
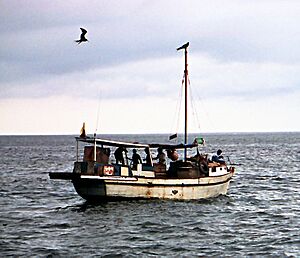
260, 215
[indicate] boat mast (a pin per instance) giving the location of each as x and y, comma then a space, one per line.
185, 46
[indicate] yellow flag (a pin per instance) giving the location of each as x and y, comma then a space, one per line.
82, 131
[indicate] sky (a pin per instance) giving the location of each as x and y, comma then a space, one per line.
243, 61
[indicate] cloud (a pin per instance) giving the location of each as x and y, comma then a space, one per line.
161, 77
37, 37
243, 79
240, 52
136, 79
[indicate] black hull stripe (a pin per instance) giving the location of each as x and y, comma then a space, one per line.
151, 185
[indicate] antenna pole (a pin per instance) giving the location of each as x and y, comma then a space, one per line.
185, 46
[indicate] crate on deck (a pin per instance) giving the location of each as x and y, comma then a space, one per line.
160, 170
102, 154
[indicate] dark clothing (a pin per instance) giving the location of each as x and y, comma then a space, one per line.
119, 155
148, 157
219, 159
136, 159
148, 160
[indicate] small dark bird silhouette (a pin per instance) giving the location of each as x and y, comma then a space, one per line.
82, 36
184, 46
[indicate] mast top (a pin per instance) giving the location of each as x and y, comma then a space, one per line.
185, 46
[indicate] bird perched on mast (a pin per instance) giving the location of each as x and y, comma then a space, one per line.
184, 46
82, 36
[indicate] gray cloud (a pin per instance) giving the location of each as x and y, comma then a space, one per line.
38, 51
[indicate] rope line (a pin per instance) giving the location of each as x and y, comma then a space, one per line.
98, 110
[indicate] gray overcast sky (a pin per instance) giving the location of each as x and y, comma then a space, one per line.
244, 61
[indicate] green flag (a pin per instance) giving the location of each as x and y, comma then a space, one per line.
199, 140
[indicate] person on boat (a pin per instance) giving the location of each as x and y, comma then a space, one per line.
161, 156
148, 158
218, 157
172, 154
119, 155
136, 158
202, 164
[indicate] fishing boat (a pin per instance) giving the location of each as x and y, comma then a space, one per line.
183, 174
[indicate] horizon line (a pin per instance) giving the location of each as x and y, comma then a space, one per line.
75, 134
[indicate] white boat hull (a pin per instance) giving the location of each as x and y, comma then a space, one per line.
106, 188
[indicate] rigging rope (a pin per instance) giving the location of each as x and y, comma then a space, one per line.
177, 110
98, 110
192, 101
206, 113
194, 110
179, 113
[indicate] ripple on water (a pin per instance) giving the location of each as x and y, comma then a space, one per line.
258, 217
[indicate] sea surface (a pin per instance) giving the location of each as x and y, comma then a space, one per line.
260, 215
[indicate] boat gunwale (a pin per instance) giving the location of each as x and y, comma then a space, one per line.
149, 180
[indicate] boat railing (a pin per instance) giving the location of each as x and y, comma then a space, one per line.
97, 160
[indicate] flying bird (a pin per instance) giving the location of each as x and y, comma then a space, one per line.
82, 36
184, 46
